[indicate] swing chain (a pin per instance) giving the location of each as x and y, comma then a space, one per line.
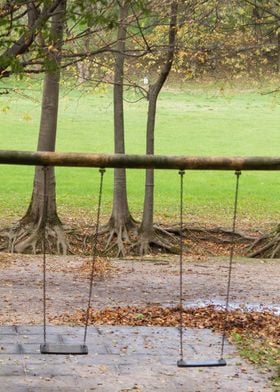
230, 266
94, 250
221, 361
181, 173
43, 223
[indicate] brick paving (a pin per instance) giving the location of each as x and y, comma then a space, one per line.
120, 359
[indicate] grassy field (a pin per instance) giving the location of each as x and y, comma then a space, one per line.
194, 120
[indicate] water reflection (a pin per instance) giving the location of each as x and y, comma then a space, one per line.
275, 308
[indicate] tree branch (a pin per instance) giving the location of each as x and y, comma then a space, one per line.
36, 21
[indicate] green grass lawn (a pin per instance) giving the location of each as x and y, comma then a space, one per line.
190, 121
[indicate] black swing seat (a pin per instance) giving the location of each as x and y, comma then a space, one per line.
202, 363
63, 349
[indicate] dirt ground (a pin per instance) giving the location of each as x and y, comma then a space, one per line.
154, 280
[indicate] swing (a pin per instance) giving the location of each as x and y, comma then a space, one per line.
68, 349
208, 362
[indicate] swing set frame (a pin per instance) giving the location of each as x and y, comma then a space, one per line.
46, 159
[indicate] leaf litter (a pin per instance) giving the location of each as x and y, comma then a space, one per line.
263, 324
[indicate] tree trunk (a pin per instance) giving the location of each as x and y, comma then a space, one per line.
147, 232
121, 220
28, 232
146, 228
278, 48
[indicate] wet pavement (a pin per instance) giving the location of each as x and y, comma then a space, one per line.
121, 359
255, 285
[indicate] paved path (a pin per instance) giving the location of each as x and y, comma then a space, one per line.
135, 359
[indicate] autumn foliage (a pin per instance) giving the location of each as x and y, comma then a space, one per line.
264, 324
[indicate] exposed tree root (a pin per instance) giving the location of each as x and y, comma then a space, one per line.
119, 236
3, 241
266, 246
124, 240
156, 243
165, 231
26, 236
159, 240
215, 235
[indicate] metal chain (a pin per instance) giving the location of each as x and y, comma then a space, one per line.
94, 251
44, 222
237, 173
181, 328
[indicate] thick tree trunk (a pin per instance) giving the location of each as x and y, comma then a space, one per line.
147, 233
121, 220
28, 232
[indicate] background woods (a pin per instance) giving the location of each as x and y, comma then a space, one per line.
132, 49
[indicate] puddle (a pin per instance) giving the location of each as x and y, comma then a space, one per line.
275, 308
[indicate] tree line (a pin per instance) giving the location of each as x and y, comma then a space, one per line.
112, 42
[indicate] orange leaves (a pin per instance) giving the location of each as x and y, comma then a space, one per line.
101, 267
262, 324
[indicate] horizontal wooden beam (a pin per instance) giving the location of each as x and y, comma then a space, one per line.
138, 161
